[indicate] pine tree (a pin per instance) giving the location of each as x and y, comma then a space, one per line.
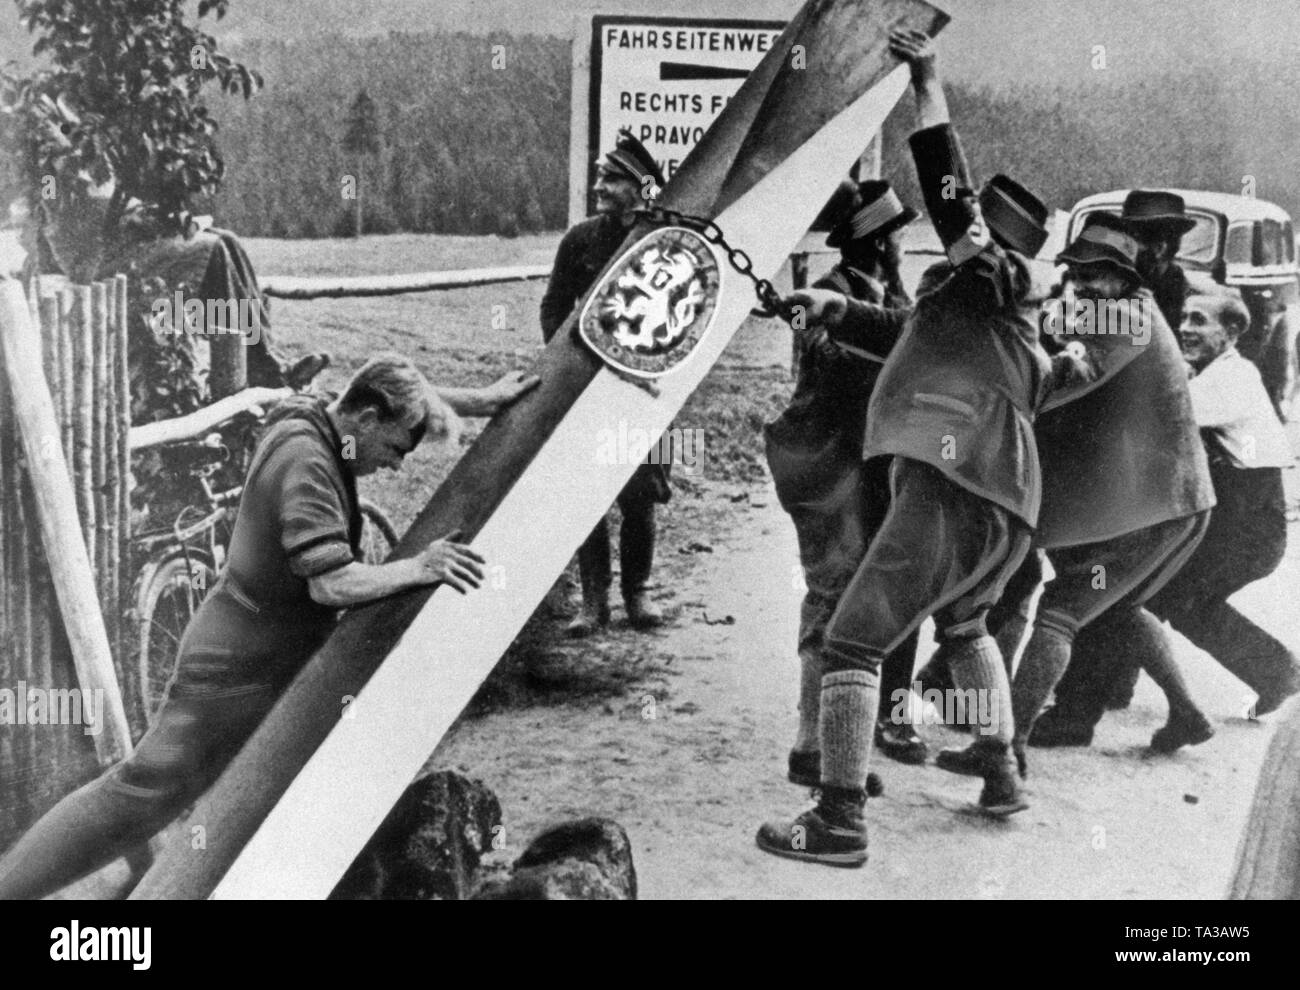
361, 138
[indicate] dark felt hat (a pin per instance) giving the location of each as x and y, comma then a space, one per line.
631, 159
865, 211
1104, 240
1157, 211
1016, 217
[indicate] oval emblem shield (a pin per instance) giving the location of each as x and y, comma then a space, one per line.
652, 308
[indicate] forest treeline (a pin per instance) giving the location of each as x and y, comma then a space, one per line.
473, 135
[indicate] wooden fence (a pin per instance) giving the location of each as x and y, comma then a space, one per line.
45, 650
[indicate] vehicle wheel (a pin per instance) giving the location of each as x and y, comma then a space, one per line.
378, 537
168, 598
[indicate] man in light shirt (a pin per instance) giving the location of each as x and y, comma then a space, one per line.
1246, 540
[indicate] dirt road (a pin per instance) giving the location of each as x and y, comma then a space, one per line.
691, 759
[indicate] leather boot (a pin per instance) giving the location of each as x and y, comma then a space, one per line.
641, 612
594, 614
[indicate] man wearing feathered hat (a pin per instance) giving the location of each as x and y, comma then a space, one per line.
627, 178
814, 449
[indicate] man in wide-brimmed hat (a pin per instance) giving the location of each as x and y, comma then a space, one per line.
626, 178
1126, 486
814, 449
1158, 219
953, 407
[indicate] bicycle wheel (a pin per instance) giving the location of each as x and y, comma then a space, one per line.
169, 596
378, 537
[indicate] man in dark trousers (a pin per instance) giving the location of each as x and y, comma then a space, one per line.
814, 449
626, 179
294, 562
1248, 449
1126, 486
953, 407
1245, 541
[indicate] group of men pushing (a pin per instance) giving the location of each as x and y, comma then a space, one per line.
936, 450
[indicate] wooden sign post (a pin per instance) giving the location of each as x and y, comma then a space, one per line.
307, 791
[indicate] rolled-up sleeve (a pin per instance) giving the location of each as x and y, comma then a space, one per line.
313, 518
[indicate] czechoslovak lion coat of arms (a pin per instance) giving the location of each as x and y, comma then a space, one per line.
655, 304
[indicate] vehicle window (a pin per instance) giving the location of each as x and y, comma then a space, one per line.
1201, 242
1199, 245
1239, 243
1274, 244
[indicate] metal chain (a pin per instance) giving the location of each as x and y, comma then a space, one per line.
768, 297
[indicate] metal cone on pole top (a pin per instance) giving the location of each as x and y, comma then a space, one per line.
310, 787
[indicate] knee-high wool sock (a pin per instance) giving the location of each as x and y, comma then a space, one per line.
848, 719
976, 665
1045, 660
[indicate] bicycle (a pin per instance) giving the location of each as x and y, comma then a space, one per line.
183, 560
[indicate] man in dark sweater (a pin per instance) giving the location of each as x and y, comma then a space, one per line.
294, 561
626, 179
814, 449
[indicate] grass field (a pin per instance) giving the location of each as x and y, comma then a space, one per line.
472, 336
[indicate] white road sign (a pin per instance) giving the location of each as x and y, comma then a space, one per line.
664, 78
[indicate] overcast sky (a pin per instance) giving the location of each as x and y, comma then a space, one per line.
989, 40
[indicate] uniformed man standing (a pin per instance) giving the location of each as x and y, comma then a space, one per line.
626, 179
814, 450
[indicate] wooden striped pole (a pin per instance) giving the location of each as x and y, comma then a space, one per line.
296, 805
